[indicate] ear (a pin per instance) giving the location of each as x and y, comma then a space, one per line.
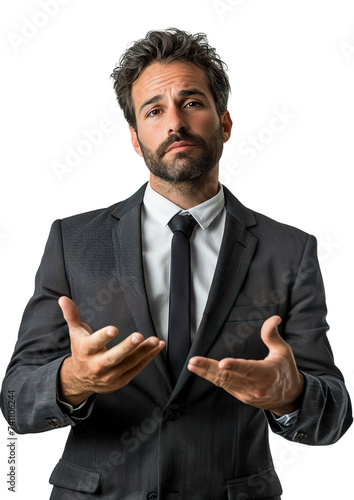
226, 123
134, 139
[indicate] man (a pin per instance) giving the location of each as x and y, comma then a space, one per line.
164, 402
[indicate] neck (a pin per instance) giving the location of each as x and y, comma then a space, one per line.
191, 193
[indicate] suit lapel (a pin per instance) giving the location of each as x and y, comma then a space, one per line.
236, 253
128, 253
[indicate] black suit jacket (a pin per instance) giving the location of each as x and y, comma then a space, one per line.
194, 440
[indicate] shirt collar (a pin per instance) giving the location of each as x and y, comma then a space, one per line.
163, 209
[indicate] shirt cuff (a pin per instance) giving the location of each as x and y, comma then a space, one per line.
70, 408
288, 419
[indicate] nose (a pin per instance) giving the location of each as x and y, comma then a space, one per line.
176, 120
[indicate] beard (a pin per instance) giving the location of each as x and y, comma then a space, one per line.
185, 166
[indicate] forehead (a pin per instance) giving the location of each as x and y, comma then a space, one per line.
161, 78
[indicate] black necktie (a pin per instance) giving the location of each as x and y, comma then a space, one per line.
179, 316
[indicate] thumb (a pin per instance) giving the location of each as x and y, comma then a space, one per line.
71, 315
270, 334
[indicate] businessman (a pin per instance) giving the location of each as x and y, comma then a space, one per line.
171, 329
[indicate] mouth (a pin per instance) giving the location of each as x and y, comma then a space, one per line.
180, 146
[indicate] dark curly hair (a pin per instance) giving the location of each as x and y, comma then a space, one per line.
168, 46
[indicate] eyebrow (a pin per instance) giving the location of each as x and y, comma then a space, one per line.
181, 93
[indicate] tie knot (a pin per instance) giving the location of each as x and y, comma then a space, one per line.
183, 223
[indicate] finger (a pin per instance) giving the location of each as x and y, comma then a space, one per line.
72, 317
229, 373
204, 367
210, 370
97, 340
120, 352
270, 334
136, 364
243, 367
70, 312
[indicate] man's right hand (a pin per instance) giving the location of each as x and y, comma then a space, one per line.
92, 368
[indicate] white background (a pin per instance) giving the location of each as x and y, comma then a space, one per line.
283, 56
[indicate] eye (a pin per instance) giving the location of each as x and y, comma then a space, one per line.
193, 104
153, 112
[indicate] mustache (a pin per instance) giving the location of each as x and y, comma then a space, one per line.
196, 140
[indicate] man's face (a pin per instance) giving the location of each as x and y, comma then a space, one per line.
179, 132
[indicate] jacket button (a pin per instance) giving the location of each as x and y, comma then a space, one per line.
174, 415
152, 495
299, 436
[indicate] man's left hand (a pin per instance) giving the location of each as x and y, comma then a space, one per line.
273, 383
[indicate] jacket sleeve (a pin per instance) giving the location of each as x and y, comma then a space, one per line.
42, 345
325, 413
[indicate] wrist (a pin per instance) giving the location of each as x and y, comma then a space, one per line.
295, 402
285, 410
70, 388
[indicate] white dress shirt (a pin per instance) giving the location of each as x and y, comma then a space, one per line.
205, 242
